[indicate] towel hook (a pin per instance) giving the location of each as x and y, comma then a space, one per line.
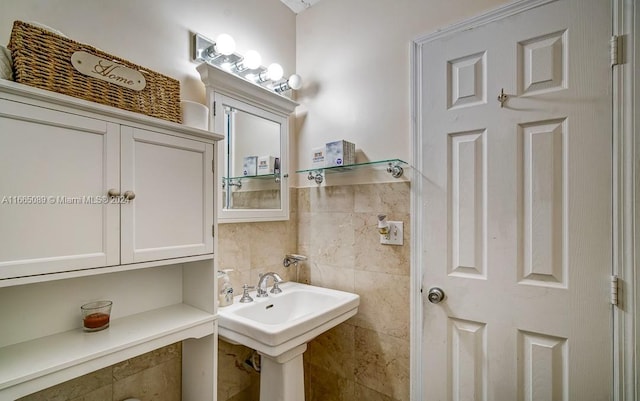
502, 97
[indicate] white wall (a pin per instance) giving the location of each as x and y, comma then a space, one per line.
354, 58
156, 33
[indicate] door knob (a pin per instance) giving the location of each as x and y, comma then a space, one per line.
129, 195
435, 295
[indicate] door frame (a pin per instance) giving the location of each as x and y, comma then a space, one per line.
626, 191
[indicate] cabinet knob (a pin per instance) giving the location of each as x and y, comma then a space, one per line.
113, 192
129, 195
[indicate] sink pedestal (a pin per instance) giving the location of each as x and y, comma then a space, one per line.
282, 377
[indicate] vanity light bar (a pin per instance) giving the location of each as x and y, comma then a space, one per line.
220, 53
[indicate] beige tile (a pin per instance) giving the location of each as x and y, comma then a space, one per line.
334, 351
159, 383
304, 268
304, 229
145, 361
270, 241
384, 303
293, 200
387, 198
303, 200
324, 385
332, 239
262, 199
233, 249
251, 393
102, 394
337, 278
75, 388
371, 255
234, 376
332, 199
238, 278
364, 393
382, 363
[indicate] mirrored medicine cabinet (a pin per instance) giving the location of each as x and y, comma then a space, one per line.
252, 163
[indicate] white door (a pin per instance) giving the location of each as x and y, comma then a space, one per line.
55, 173
171, 215
517, 207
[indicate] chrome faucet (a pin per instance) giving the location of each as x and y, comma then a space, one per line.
262, 284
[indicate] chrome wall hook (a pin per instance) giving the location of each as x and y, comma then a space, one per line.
502, 97
317, 177
395, 170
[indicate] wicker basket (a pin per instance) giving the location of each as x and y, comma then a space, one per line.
43, 59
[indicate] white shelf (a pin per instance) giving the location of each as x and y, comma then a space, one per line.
37, 364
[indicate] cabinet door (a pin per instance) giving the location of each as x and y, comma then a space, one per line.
55, 171
172, 213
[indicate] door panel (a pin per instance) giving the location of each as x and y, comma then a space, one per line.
54, 210
517, 209
171, 214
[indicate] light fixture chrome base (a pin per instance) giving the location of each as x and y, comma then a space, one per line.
200, 47
204, 50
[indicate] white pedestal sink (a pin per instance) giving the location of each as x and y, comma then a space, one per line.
280, 326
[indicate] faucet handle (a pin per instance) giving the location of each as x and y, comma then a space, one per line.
276, 289
246, 298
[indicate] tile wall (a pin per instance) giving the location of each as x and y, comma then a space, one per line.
152, 376
367, 357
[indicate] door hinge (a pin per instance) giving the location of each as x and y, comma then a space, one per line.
213, 230
614, 290
214, 109
614, 47
213, 166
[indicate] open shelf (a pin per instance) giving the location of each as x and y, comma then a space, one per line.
395, 167
33, 365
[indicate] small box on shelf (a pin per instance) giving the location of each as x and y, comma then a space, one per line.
318, 156
250, 166
266, 165
340, 153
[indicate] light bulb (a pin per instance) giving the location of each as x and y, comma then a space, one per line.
295, 81
225, 44
275, 71
252, 60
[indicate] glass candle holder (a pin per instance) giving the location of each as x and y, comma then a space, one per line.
95, 315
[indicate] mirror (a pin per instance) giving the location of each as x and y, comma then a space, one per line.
252, 173
252, 166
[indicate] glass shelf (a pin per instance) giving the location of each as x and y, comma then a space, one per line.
237, 181
395, 167
253, 177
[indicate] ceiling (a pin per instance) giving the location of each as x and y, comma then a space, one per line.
298, 6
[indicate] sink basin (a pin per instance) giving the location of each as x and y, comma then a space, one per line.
281, 322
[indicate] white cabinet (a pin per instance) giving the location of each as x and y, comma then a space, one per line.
172, 212
61, 233
49, 160
58, 168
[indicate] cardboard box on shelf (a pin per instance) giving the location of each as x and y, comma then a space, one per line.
340, 153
